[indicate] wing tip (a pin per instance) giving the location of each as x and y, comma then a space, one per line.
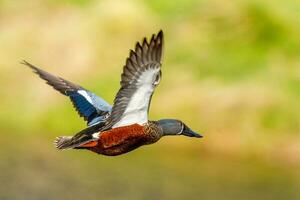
160, 37
34, 68
160, 33
24, 62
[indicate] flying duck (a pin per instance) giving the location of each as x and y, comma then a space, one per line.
123, 127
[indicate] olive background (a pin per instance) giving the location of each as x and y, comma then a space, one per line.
231, 71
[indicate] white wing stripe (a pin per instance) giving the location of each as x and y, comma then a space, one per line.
137, 109
85, 95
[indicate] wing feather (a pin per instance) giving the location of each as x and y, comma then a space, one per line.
92, 108
141, 74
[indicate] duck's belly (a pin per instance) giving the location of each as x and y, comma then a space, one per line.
121, 140
119, 149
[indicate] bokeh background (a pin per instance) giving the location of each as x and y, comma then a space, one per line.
231, 71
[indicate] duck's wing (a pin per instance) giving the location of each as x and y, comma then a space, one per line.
141, 75
91, 107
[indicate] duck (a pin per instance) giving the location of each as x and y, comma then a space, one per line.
124, 126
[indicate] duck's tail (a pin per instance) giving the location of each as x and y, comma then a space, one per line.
79, 140
69, 142
63, 142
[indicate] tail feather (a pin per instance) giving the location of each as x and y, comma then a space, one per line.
68, 142
63, 142
81, 138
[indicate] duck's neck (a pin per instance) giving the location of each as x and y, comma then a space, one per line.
154, 131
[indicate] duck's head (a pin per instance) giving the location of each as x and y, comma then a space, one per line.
176, 127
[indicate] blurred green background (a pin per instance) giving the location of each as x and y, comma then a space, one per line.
231, 71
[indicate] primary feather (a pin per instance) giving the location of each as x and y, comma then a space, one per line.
140, 76
91, 107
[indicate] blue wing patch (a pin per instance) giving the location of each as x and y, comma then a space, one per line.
93, 108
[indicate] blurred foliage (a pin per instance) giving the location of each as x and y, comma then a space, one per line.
231, 71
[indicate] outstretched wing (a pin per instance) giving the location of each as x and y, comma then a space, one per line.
88, 105
141, 74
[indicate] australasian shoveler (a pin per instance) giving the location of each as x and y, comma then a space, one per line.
123, 127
